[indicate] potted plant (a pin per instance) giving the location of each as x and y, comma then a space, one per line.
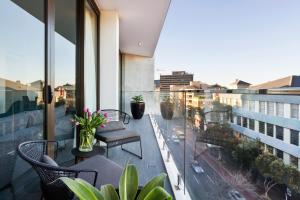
167, 108
88, 124
128, 188
137, 106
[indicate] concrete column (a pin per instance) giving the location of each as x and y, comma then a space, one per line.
256, 107
286, 158
287, 110
109, 60
138, 79
286, 135
256, 125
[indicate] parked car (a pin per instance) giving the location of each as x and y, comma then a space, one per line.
235, 195
197, 168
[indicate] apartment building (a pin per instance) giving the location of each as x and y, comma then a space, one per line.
176, 78
271, 118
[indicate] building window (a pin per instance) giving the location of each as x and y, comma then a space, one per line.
294, 161
279, 153
238, 118
270, 149
294, 137
262, 107
252, 106
245, 122
270, 130
280, 109
261, 127
279, 132
270, 108
251, 124
295, 111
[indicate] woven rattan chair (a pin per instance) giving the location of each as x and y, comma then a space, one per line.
104, 171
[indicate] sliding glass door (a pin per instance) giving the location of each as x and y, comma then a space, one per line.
52, 54
65, 76
90, 56
22, 72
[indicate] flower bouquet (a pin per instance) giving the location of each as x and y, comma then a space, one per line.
88, 124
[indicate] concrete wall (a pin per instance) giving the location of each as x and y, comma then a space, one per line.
109, 60
137, 79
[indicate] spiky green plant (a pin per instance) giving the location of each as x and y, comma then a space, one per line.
137, 99
128, 188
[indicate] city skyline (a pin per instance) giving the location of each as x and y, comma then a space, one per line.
231, 40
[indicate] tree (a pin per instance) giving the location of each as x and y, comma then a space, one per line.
292, 178
246, 152
263, 163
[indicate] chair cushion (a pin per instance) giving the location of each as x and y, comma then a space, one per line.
111, 126
109, 172
113, 136
48, 160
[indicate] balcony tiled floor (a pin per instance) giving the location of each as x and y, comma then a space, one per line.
27, 186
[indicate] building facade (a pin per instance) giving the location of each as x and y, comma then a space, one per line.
271, 118
176, 78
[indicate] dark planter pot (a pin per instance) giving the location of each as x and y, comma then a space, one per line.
137, 109
167, 110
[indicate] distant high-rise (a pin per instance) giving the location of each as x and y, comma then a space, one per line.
176, 78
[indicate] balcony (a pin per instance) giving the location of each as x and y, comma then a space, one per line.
195, 144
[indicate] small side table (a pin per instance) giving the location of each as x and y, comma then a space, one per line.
79, 155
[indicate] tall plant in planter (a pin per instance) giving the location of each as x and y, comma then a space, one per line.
167, 108
128, 188
88, 124
137, 106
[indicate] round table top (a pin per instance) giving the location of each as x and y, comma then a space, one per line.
97, 150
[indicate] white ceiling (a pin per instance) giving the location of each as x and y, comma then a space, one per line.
141, 21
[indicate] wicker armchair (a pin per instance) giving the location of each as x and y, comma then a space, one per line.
32, 152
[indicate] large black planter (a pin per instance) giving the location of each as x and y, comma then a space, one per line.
137, 109
167, 110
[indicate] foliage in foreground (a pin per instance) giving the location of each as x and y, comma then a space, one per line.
128, 188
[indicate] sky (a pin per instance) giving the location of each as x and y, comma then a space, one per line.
223, 40
22, 48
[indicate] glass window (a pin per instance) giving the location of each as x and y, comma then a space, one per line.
295, 111
262, 107
270, 130
245, 122
22, 64
270, 109
279, 132
294, 137
280, 109
252, 124
279, 153
239, 119
294, 161
261, 127
270, 149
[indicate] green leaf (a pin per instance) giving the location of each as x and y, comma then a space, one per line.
158, 193
128, 184
109, 193
156, 181
91, 187
82, 192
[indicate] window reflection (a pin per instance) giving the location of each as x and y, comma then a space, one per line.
21, 83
